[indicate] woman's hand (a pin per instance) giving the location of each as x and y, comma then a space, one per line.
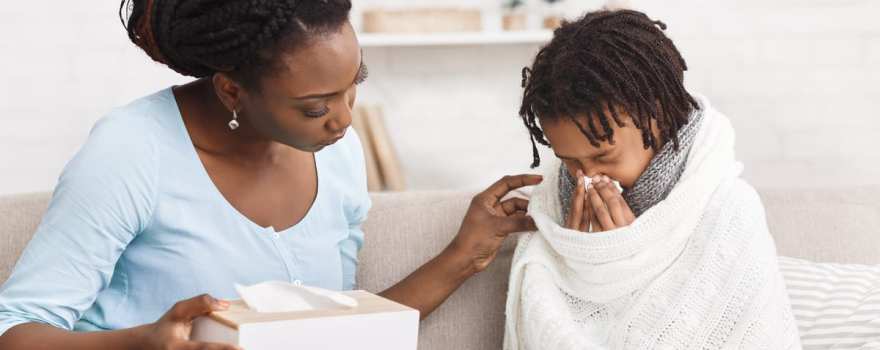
598, 206
172, 331
489, 220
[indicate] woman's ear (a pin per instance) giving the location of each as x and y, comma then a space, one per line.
229, 91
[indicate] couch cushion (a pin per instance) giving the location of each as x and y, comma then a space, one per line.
405, 230
19, 217
826, 225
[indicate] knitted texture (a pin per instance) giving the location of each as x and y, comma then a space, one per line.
658, 179
696, 271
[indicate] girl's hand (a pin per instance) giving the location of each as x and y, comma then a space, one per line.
172, 331
608, 210
597, 206
579, 217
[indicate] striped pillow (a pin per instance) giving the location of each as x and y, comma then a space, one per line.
836, 306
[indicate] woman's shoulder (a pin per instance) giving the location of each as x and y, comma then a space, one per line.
137, 120
134, 131
124, 142
117, 169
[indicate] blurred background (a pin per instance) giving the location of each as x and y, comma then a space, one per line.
799, 80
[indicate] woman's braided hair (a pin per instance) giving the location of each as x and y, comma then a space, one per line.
605, 61
243, 37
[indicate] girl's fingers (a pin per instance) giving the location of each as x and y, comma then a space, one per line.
628, 213
590, 220
602, 216
585, 220
576, 213
617, 207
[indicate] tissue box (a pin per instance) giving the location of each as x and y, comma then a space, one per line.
376, 323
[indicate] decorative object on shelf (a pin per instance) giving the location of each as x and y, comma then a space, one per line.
515, 17
554, 15
617, 5
384, 172
456, 39
422, 20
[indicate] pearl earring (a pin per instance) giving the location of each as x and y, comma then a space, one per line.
233, 124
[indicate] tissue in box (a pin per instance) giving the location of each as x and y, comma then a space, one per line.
375, 323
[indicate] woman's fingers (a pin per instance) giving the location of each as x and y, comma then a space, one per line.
515, 223
509, 183
192, 345
189, 309
515, 205
576, 214
516, 219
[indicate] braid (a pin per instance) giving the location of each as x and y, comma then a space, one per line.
201, 37
602, 62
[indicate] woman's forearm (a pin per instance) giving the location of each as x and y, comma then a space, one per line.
37, 336
487, 223
430, 285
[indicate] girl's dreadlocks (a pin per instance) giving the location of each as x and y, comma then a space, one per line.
605, 61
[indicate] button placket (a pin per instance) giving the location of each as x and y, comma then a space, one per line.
281, 249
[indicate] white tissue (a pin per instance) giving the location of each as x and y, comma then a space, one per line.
588, 180
276, 296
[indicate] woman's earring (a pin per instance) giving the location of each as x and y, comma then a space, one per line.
233, 124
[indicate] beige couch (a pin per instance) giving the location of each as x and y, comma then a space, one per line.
406, 229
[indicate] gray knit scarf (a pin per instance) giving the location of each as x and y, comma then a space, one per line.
656, 181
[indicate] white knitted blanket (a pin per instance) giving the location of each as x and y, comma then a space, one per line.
696, 271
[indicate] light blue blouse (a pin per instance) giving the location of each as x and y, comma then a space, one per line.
135, 224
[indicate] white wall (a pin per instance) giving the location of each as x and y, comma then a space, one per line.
798, 78
63, 64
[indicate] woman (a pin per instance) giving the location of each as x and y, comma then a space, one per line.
682, 258
249, 173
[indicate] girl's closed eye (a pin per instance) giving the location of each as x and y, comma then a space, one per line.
317, 113
605, 158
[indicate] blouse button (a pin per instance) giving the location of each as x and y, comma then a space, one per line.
275, 235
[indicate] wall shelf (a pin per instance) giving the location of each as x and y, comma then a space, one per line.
455, 39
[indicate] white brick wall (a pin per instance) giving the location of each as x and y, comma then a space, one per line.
799, 79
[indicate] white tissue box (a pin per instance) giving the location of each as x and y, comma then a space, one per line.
376, 323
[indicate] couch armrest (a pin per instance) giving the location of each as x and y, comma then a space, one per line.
403, 231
